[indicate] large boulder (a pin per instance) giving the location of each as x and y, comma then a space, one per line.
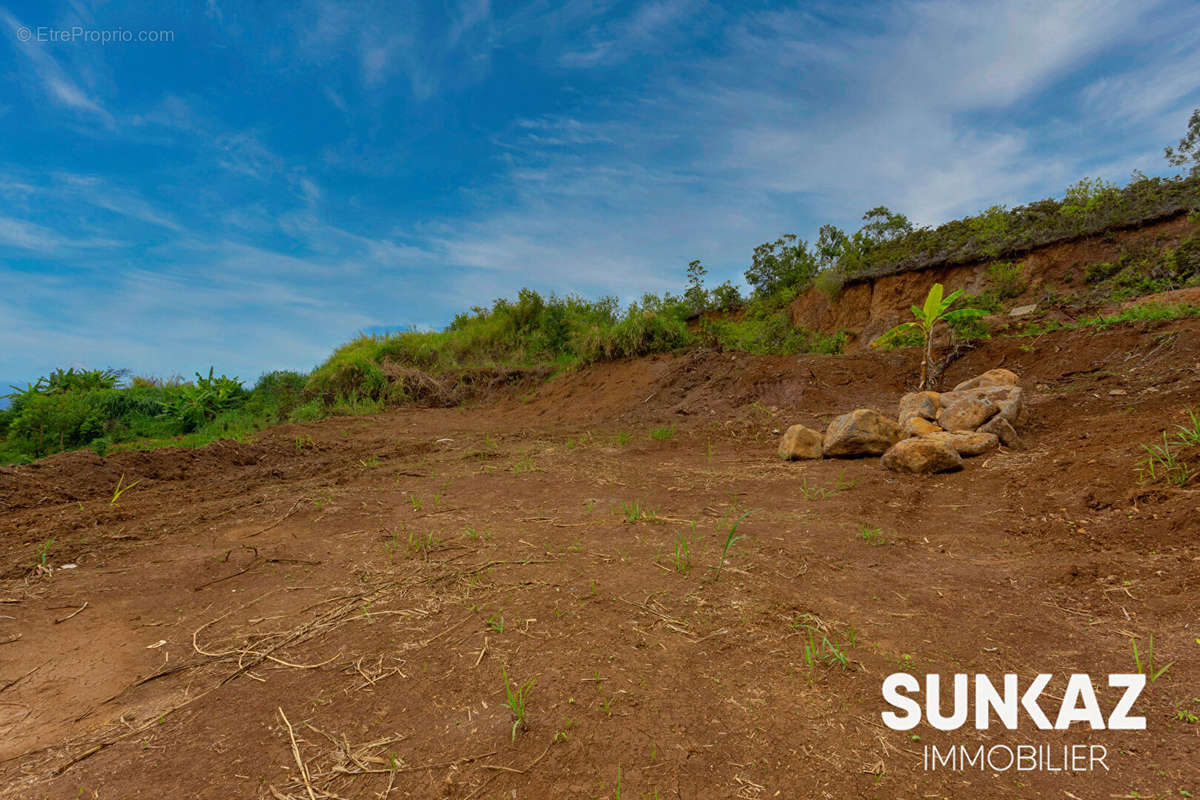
800, 442
862, 432
919, 426
967, 413
922, 454
967, 443
1003, 430
919, 404
993, 377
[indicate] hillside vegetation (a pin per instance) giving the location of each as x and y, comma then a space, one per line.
532, 337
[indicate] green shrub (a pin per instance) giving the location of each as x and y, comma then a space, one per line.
49, 423
354, 369
642, 331
968, 328
830, 283
193, 404
1007, 279
1101, 271
901, 341
1144, 269
769, 331
725, 297
308, 412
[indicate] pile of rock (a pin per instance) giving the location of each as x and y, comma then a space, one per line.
933, 433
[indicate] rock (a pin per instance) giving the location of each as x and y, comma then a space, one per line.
967, 413
1010, 399
922, 454
1004, 431
919, 404
919, 426
800, 442
993, 377
967, 443
862, 432
1022, 311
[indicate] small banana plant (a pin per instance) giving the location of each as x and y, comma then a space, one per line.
936, 309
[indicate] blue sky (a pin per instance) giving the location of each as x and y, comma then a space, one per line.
279, 177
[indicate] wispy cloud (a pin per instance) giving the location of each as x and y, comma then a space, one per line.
36, 239
58, 86
904, 110
429, 51
651, 27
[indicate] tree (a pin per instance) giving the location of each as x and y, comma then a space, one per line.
935, 310
832, 243
850, 254
883, 226
725, 297
785, 263
1188, 149
695, 295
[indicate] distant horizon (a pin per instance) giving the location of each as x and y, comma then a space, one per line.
248, 187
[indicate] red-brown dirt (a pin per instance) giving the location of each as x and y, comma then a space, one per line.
329, 609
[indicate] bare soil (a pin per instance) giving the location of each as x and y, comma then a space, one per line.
330, 610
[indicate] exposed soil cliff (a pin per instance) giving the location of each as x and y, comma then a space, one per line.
869, 306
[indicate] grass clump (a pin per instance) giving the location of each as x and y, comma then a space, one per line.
683, 555
1144, 661
1166, 461
516, 698
872, 535
731, 538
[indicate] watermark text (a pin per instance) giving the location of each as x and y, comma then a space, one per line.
77, 34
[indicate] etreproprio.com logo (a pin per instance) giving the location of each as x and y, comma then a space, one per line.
979, 700
78, 34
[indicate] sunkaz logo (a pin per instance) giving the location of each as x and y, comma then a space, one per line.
1078, 703
983, 700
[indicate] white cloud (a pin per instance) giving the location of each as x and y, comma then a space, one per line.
648, 28
791, 122
57, 84
23, 235
401, 40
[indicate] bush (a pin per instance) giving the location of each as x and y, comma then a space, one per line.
1007, 279
769, 332
193, 404
725, 297
643, 330
911, 338
48, 423
71, 409
1143, 269
830, 283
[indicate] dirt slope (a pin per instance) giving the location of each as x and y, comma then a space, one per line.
368, 582
868, 307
